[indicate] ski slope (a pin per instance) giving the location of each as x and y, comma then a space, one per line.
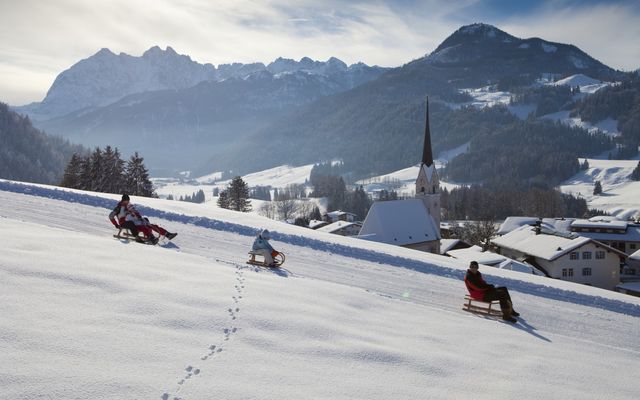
85, 316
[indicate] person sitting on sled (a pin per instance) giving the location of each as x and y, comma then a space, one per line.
482, 291
125, 216
261, 246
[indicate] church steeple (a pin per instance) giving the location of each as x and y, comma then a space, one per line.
427, 155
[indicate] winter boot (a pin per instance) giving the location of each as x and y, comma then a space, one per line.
508, 318
170, 235
513, 312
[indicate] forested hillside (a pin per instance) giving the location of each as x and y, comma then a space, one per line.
620, 102
27, 154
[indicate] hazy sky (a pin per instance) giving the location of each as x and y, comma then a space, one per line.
41, 38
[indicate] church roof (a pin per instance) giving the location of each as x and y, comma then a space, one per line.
399, 222
427, 153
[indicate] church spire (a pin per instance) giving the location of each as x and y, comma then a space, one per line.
427, 155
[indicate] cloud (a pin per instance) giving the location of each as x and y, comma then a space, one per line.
609, 32
41, 39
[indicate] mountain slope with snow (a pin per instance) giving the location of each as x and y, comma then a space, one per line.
620, 193
86, 316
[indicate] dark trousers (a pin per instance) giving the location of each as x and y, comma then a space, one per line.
502, 295
131, 227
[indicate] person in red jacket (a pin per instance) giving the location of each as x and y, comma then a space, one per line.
125, 216
482, 291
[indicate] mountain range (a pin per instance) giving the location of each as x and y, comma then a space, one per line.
184, 115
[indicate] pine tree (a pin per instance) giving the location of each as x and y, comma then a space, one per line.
585, 165
238, 193
72, 173
94, 171
137, 177
223, 200
113, 171
597, 188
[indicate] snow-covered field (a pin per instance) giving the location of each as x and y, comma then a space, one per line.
85, 316
620, 197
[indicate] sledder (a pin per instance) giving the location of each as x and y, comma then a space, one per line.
262, 247
125, 216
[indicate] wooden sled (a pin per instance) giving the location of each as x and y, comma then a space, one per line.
278, 260
482, 307
125, 234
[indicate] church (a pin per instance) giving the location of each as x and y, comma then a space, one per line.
413, 223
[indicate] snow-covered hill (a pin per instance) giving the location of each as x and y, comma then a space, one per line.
86, 316
620, 195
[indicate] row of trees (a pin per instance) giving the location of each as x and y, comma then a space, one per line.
105, 171
490, 203
197, 197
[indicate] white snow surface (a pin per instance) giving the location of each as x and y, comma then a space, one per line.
620, 194
608, 126
85, 316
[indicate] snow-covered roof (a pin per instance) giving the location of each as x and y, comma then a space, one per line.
475, 253
428, 171
632, 234
599, 224
315, 223
547, 247
635, 256
518, 266
399, 222
336, 226
550, 224
447, 244
634, 286
339, 213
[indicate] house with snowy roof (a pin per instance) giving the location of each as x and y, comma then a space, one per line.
412, 223
619, 234
490, 259
340, 215
563, 256
342, 228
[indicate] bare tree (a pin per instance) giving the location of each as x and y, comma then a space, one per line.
267, 209
479, 233
286, 207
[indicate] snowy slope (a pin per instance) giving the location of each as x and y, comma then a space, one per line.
404, 181
620, 195
85, 316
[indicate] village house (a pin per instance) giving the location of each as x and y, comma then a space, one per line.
563, 256
342, 228
339, 215
611, 231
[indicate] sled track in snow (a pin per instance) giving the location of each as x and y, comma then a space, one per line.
343, 250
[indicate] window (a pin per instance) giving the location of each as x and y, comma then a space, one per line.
570, 271
586, 255
574, 255
600, 254
564, 272
567, 272
586, 271
632, 246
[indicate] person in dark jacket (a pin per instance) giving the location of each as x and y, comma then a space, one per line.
482, 291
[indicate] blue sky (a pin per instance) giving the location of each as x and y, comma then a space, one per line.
42, 38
